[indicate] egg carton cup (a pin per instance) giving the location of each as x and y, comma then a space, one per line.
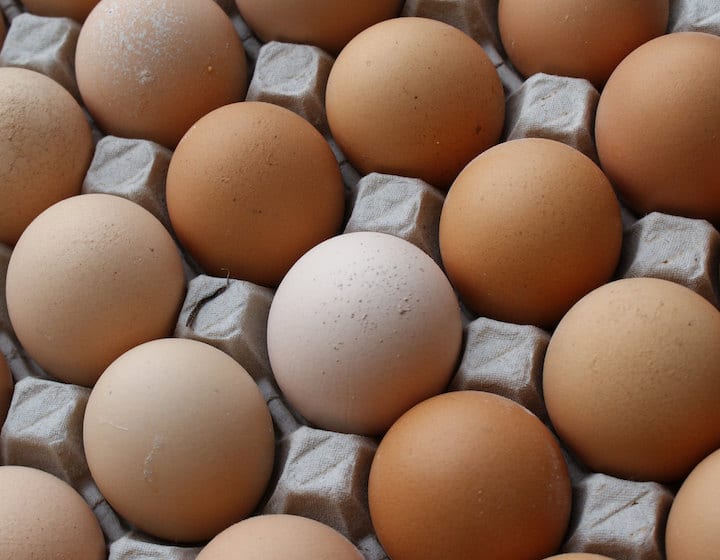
319, 474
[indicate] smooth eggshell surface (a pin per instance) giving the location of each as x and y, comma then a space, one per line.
528, 228
6, 389
328, 24
250, 188
414, 97
580, 39
279, 537
658, 126
91, 277
179, 439
469, 475
45, 148
151, 68
693, 528
43, 517
75, 9
364, 326
632, 379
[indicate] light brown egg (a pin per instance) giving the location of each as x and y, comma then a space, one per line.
469, 475
279, 537
632, 379
250, 188
43, 517
528, 228
693, 528
91, 277
579, 39
179, 439
328, 24
6, 389
45, 148
151, 68
414, 97
75, 9
363, 326
658, 126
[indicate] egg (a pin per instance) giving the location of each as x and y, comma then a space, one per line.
75, 9
91, 277
414, 97
632, 379
363, 326
179, 439
43, 517
3, 30
658, 126
579, 39
328, 24
6, 389
45, 148
278, 537
693, 527
469, 475
151, 68
250, 188
528, 228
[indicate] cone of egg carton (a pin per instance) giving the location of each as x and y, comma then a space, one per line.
319, 474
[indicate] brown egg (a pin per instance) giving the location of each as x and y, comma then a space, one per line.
414, 97
328, 24
45, 148
91, 277
580, 39
178, 439
363, 327
528, 228
658, 126
6, 389
693, 528
75, 9
632, 379
43, 517
279, 537
469, 475
151, 68
251, 187
3, 30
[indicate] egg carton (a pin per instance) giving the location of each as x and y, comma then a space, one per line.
319, 474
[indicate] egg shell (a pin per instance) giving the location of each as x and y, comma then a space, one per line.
693, 528
45, 148
278, 537
658, 126
6, 389
250, 188
75, 9
632, 379
91, 277
328, 24
414, 97
363, 326
43, 517
460, 474
179, 439
151, 68
528, 228
579, 39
